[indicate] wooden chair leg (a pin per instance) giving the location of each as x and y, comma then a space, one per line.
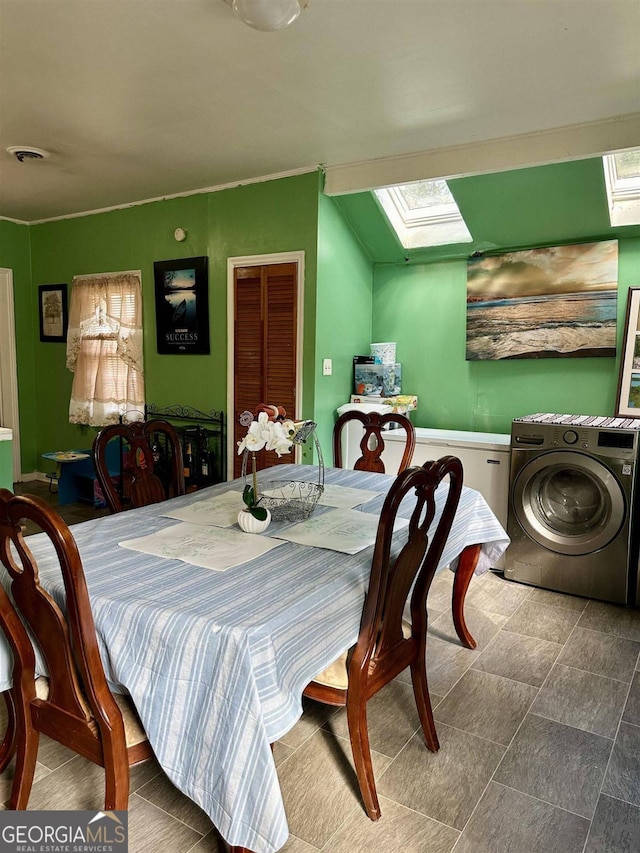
26, 757
359, 735
467, 563
116, 784
27, 739
423, 703
8, 745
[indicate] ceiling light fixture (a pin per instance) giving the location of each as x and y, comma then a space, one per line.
25, 152
268, 15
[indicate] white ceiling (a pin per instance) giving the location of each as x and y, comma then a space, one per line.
138, 99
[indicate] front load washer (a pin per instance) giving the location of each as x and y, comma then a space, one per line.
571, 498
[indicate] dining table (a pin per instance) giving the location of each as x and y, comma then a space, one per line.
215, 656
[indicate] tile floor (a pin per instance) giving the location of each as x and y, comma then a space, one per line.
539, 731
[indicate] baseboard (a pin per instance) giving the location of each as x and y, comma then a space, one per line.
34, 475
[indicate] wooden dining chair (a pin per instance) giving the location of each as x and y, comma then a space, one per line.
372, 444
386, 643
145, 474
73, 704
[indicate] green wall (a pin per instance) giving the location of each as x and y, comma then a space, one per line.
539, 206
274, 216
420, 297
15, 255
6, 464
423, 308
343, 314
350, 299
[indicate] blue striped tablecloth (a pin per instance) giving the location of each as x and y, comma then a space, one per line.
216, 661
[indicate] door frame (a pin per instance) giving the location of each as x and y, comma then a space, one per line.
260, 261
9, 367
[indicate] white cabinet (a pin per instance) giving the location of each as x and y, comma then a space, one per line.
484, 457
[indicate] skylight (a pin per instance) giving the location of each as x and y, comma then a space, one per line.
423, 214
622, 178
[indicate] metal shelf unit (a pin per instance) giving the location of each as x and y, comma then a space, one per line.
201, 433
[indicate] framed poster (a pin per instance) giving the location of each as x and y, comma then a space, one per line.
182, 306
628, 397
54, 318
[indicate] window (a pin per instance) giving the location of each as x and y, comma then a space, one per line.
622, 179
104, 348
423, 214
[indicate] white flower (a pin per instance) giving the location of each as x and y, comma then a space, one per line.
263, 427
279, 439
289, 427
275, 434
283, 445
254, 440
272, 435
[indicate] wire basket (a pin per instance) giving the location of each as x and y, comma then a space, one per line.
291, 500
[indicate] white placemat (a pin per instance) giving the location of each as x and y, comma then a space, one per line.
214, 548
219, 510
345, 497
346, 530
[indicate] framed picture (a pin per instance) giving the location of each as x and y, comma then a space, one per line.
54, 318
628, 397
182, 306
553, 302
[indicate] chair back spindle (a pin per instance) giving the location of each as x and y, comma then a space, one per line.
372, 443
139, 483
412, 569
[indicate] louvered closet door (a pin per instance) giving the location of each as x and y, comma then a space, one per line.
265, 346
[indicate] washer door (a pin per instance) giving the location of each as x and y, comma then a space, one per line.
568, 502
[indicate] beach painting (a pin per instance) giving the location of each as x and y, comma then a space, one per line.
556, 302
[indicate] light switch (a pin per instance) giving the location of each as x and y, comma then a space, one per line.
327, 367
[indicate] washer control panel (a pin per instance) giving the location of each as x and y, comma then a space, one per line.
578, 438
620, 443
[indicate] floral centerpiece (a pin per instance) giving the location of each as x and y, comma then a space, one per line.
270, 429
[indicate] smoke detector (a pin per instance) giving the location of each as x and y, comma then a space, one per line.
25, 152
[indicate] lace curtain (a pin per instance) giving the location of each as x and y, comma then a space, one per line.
104, 348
